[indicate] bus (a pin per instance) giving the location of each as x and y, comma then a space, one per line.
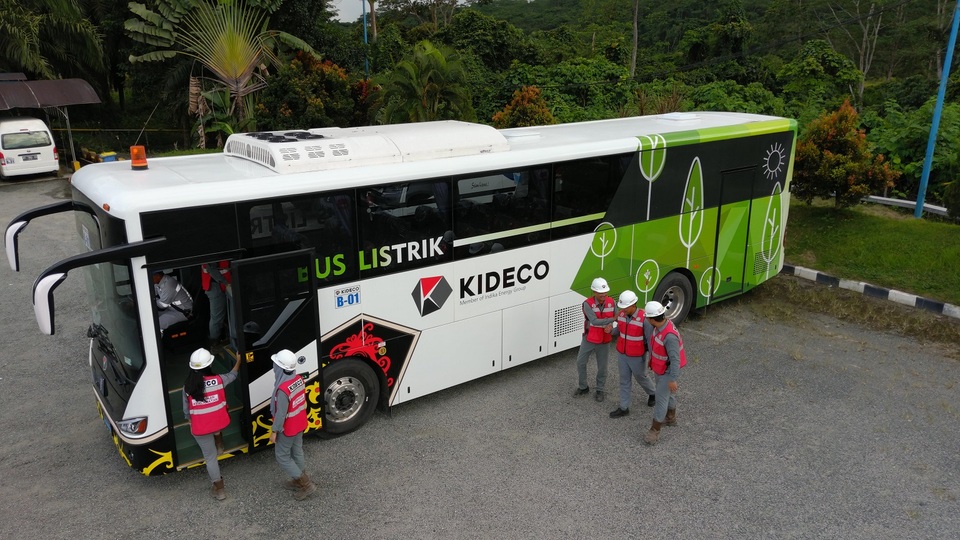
400, 260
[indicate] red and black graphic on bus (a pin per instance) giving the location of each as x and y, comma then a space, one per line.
383, 344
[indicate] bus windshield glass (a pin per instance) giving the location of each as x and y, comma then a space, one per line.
114, 325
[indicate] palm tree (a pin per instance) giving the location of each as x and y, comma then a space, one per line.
428, 85
48, 39
230, 39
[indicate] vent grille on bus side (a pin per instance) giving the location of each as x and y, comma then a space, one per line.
567, 320
760, 264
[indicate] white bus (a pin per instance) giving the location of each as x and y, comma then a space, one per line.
400, 260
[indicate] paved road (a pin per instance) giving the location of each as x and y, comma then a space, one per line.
808, 428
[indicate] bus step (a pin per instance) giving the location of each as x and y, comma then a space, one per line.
227, 452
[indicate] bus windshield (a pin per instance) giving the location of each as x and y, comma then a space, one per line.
113, 311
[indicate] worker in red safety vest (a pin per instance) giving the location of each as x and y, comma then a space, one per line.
666, 358
216, 285
205, 407
599, 315
631, 331
289, 409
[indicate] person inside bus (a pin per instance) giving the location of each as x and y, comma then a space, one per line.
215, 281
173, 301
289, 410
205, 407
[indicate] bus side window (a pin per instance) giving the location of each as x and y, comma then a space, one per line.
402, 225
324, 222
501, 204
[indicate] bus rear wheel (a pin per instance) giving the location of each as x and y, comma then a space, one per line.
676, 294
350, 395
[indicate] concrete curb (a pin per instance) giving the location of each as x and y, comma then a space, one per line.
899, 297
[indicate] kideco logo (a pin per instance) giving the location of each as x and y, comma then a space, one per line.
430, 294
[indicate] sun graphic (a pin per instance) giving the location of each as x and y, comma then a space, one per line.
775, 159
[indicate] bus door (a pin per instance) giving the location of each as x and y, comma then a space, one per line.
733, 232
275, 308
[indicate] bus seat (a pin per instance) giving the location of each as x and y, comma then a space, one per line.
180, 336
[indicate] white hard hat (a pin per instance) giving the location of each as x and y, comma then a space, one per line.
285, 359
654, 309
599, 285
627, 299
200, 359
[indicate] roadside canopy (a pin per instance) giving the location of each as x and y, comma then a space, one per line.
17, 92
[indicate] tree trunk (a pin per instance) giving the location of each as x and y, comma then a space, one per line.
633, 55
373, 21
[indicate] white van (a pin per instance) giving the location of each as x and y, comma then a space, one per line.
26, 147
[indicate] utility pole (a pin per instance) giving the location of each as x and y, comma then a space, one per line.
935, 126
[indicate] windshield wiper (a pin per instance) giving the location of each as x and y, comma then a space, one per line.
98, 332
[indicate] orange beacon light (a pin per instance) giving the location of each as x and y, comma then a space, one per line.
138, 158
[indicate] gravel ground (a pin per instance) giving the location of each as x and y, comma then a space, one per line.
812, 429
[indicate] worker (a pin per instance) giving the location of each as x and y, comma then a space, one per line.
631, 331
666, 358
599, 315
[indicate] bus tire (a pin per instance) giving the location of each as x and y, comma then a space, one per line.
676, 294
351, 392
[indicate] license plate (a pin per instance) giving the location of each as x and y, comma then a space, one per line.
30, 157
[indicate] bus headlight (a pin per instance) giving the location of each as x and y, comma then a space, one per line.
135, 426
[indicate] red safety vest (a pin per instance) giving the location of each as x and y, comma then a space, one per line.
595, 334
205, 279
296, 417
658, 351
210, 415
630, 340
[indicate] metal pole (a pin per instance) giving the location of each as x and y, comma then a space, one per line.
366, 60
932, 139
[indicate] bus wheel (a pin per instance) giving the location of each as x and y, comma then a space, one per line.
676, 294
350, 395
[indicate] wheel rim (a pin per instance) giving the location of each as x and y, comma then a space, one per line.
673, 301
344, 398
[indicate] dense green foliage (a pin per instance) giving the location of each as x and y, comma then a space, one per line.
796, 58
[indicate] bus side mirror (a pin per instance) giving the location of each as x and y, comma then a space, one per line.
11, 243
43, 300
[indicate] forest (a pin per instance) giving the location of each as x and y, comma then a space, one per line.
860, 77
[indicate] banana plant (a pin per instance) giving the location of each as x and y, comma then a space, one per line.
229, 38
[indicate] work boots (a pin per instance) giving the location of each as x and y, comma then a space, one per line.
218, 491
671, 419
307, 487
653, 435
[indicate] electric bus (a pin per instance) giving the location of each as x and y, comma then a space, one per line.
399, 260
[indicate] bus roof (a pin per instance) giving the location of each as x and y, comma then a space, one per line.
268, 164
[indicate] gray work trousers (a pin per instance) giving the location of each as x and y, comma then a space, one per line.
635, 366
289, 451
209, 448
665, 400
600, 351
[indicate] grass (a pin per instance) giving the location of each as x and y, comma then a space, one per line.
877, 245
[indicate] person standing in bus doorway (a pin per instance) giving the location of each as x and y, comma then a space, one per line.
600, 314
632, 332
205, 407
666, 358
216, 285
289, 409
173, 301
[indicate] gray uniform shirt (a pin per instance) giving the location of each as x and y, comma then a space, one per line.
170, 293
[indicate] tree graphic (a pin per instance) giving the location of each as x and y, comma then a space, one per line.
691, 209
604, 238
771, 228
648, 275
653, 156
